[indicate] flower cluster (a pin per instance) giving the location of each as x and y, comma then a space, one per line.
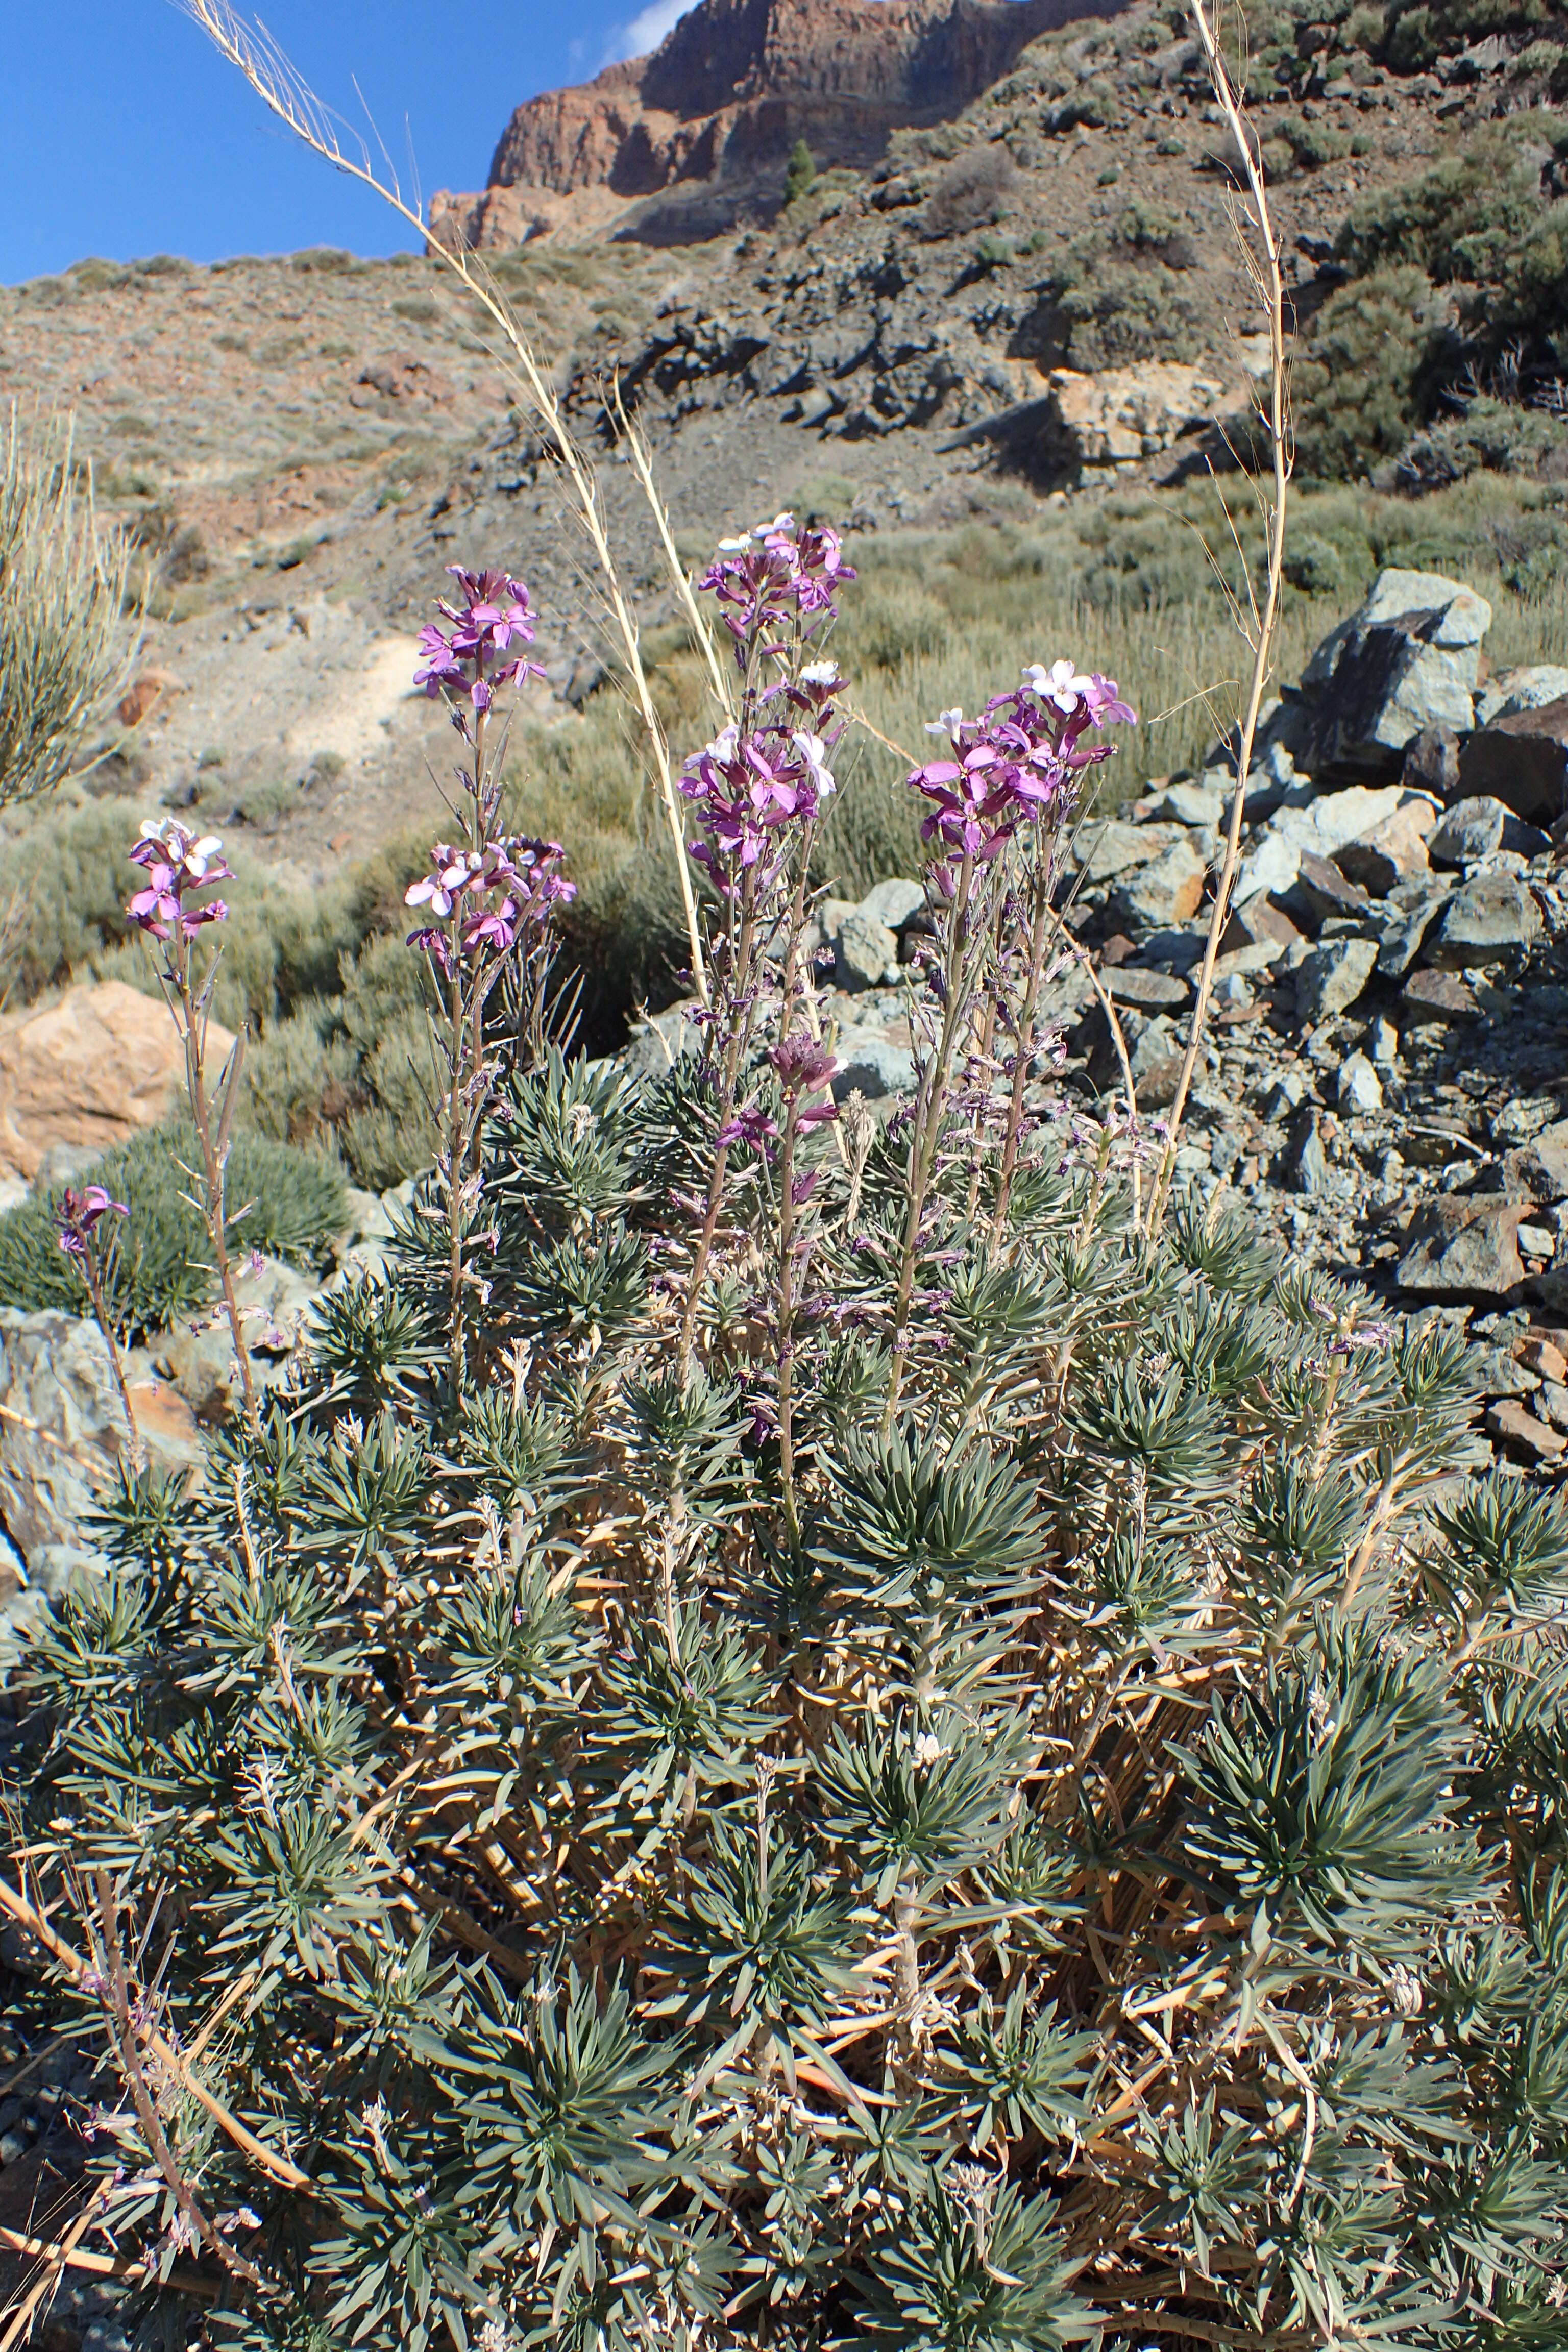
1019, 760
748, 788
774, 574
78, 1215
458, 658
487, 896
176, 862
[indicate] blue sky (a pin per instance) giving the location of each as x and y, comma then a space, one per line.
123, 134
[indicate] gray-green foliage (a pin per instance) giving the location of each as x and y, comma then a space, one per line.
284, 1203
1110, 1866
62, 637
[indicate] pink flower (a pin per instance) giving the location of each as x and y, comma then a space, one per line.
175, 861
78, 1214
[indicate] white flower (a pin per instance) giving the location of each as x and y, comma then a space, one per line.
813, 750
722, 747
947, 722
820, 673
766, 529
735, 546
1060, 685
200, 854
928, 1748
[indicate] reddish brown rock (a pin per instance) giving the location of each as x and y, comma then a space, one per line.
729, 91
1517, 1426
87, 1071
1437, 996
1521, 762
145, 694
1540, 1354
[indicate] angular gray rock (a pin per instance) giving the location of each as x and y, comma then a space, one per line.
1510, 691
875, 1065
1432, 999
868, 951
62, 1433
1191, 805
893, 902
1463, 1246
1167, 890
1490, 920
1358, 1087
1411, 911
1471, 831
1408, 660
1332, 976
1538, 1171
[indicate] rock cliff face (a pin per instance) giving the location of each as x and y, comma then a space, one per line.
727, 94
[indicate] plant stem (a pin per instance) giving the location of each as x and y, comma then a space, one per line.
92, 1276
928, 1128
1268, 281
214, 1170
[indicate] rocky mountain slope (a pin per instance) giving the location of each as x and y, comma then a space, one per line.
711, 115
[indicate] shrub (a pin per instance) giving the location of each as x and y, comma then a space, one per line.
1376, 355
800, 174
1477, 221
805, 1732
62, 641
973, 190
285, 1203
1488, 435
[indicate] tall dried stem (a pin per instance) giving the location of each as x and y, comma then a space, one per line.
1259, 244
281, 88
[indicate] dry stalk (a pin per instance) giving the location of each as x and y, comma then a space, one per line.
27, 1917
1102, 997
719, 677
1261, 254
123, 2031
57, 2260
251, 50
66, 2255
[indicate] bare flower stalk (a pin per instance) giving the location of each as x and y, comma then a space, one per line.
251, 50
1261, 254
77, 1218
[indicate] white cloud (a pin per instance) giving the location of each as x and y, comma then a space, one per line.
646, 30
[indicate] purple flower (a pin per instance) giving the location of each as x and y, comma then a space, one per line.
752, 1128
493, 616
78, 1214
175, 861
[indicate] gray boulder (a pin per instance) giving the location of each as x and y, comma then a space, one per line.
1522, 761
1332, 976
1409, 659
1490, 920
893, 902
868, 951
875, 1065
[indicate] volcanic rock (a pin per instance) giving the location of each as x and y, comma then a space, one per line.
1463, 1246
1522, 761
87, 1071
1407, 660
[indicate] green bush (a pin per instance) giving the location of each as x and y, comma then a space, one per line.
800, 174
1374, 361
1477, 221
285, 1203
1488, 435
651, 1925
